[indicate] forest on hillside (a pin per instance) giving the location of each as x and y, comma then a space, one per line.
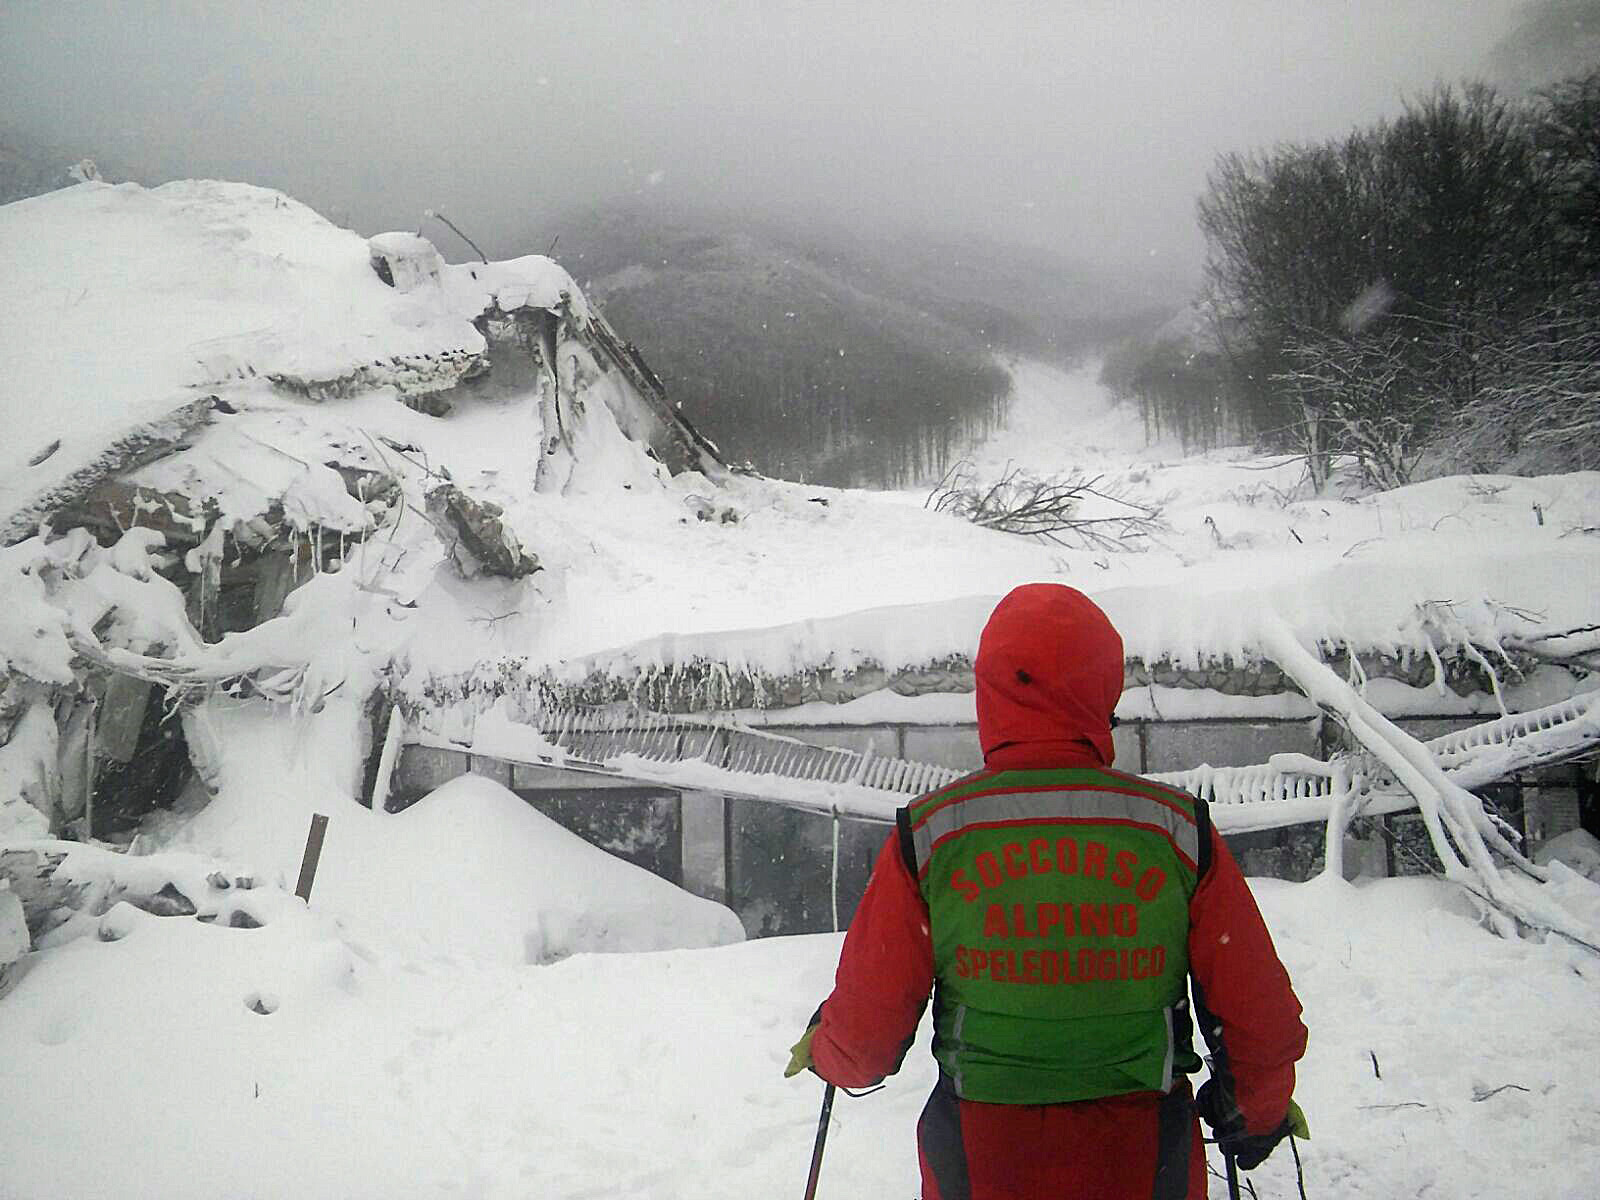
1420, 295
790, 370
821, 356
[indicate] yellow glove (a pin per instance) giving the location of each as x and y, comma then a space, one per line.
800, 1054
1296, 1120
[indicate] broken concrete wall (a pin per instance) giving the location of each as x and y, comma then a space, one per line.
123, 453
483, 543
98, 749
90, 748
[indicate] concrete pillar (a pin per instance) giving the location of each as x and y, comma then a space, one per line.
705, 842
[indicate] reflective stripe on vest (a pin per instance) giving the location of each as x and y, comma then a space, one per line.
1094, 795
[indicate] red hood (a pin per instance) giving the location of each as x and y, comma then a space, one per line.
1049, 672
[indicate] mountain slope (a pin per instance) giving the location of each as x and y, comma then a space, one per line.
822, 354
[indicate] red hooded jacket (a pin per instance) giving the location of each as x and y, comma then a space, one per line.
1049, 672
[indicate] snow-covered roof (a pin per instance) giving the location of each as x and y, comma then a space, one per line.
121, 306
532, 281
1370, 606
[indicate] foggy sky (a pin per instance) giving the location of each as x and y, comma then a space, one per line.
1085, 125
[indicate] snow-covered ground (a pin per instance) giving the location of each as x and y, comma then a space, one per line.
797, 583
476, 1005
1443, 1061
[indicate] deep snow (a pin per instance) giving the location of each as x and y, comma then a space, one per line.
136, 1068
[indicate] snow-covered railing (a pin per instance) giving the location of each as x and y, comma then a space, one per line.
686, 753
1291, 788
1288, 789
1285, 790
601, 736
1486, 752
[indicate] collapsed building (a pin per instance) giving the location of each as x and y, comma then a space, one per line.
181, 487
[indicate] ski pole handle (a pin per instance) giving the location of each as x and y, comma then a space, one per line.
822, 1137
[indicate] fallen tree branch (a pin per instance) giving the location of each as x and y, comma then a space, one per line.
1041, 506
1454, 817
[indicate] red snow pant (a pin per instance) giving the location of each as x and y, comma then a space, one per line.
1144, 1146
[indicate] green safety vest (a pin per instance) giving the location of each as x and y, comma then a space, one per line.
1059, 907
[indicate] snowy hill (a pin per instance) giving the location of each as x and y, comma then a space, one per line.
819, 354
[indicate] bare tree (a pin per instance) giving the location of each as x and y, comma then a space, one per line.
1541, 407
1368, 277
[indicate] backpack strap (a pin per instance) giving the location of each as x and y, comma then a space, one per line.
908, 845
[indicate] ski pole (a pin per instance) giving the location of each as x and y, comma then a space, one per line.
822, 1137
1233, 1175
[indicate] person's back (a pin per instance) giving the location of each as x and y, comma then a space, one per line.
1056, 908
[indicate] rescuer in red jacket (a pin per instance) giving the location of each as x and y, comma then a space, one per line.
1058, 911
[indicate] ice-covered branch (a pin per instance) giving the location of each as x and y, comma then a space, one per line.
1444, 804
